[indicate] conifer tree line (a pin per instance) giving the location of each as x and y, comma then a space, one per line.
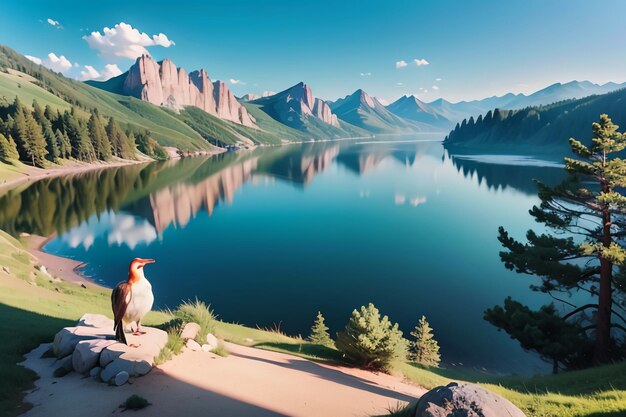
40, 136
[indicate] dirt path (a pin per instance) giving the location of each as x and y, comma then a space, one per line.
250, 382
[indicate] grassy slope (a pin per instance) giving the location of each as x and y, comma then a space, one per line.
34, 309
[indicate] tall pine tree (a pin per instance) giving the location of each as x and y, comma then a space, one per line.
590, 206
98, 136
319, 332
424, 349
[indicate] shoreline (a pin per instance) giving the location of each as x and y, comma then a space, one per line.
58, 266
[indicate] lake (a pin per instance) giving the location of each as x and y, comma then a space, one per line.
268, 237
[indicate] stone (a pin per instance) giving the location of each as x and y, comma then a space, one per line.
43, 270
67, 338
467, 400
212, 341
133, 366
86, 355
121, 378
95, 372
96, 320
190, 331
110, 353
65, 363
193, 345
206, 348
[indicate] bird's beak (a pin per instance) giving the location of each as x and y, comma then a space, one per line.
148, 261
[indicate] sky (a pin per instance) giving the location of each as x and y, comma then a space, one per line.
452, 49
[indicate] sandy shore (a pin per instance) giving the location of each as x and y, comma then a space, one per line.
60, 267
250, 382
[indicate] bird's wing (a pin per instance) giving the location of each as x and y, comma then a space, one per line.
120, 298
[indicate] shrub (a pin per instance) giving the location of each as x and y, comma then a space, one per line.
197, 312
371, 341
319, 332
134, 402
424, 349
221, 350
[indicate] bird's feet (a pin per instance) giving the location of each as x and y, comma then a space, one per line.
139, 331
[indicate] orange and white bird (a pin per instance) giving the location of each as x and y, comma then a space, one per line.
131, 300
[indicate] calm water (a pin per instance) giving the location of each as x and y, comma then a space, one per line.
271, 236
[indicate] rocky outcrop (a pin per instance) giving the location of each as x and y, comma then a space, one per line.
163, 84
322, 111
466, 400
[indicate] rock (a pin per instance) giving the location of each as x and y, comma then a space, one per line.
65, 363
110, 353
67, 338
206, 348
121, 378
96, 320
165, 85
95, 372
212, 341
190, 331
43, 270
467, 400
87, 354
193, 345
133, 366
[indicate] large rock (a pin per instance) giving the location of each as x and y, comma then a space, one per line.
87, 354
66, 339
212, 341
464, 400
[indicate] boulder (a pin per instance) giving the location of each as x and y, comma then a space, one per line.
193, 345
466, 400
190, 331
212, 341
65, 363
87, 354
95, 372
96, 320
121, 378
134, 366
67, 338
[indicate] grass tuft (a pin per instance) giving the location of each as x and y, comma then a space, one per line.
221, 350
197, 312
173, 346
134, 402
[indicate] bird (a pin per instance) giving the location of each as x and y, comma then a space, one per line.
131, 300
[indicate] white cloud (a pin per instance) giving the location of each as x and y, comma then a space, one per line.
109, 71
420, 62
55, 23
366, 74
399, 83
53, 62
124, 41
235, 81
437, 79
434, 87
401, 64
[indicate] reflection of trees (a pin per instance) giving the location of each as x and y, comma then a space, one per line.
519, 177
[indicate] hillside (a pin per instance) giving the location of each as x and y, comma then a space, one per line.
411, 108
362, 110
537, 130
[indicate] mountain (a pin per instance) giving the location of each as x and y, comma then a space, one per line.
554, 93
366, 112
163, 84
537, 130
252, 96
411, 108
297, 108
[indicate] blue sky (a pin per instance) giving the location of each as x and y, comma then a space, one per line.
472, 50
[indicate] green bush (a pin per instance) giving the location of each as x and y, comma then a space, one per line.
197, 312
371, 341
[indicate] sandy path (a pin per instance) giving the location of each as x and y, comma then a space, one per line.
250, 382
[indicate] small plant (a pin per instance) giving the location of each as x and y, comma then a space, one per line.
173, 346
197, 312
221, 350
371, 341
424, 349
319, 332
134, 402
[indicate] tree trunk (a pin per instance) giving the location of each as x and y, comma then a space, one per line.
603, 319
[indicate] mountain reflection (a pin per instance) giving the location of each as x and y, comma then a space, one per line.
136, 204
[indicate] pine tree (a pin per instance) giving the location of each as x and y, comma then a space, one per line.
19, 131
8, 149
36, 151
319, 332
82, 148
120, 143
63, 144
424, 349
370, 340
588, 204
99, 138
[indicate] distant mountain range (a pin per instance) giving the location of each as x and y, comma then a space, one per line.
191, 112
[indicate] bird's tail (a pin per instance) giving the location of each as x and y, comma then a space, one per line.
119, 332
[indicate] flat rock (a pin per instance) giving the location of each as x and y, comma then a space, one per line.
193, 345
66, 339
96, 320
86, 355
190, 331
466, 400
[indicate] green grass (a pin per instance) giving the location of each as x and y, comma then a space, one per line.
197, 312
221, 350
134, 402
173, 347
